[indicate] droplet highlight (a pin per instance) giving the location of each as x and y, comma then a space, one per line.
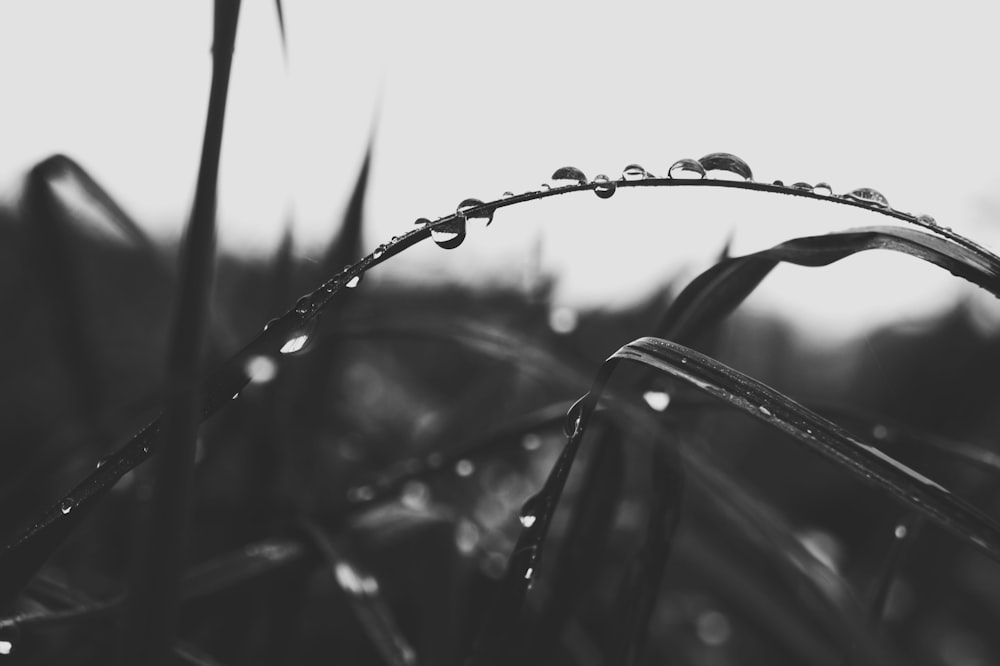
66, 506
869, 196
764, 410
574, 416
568, 176
726, 163
604, 187
658, 401
353, 282
823, 189
686, 168
634, 172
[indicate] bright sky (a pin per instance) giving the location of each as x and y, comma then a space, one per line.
899, 96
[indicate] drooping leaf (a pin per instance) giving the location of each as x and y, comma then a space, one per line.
720, 289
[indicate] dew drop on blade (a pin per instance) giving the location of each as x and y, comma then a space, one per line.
633, 172
604, 187
530, 510
66, 506
354, 281
726, 163
300, 339
379, 251
419, 222
869, 196
465, 210
449, 235
304, 305
927, 220
658, 401
764, 410
802, 186
686, 168
544, 187
779, 183
568, 176
507, 195
823, 189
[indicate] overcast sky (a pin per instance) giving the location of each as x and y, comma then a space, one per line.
899, 96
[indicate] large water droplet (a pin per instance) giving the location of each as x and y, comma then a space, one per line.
927, 220
66, 506
468, 204
354, 281
531, 509
303, 305
823, 189
634, 172
657, 400
604, 187
802, 186
449, 235
379, 251
868, 196
686, 168
726, 163
568, 176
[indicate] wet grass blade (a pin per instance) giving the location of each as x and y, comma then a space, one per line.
580, 555
817, 434
641, 585
148, 633
362, 593
720, 289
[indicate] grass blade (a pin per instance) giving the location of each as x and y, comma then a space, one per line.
148, 633
720, 289
345, 247
362, 593
816, 433
580, 554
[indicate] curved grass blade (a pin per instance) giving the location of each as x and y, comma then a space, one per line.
579, 559
361, 592
149, 629
720, 289
818, 434
641, 586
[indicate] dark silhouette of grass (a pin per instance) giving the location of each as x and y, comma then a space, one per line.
379, 487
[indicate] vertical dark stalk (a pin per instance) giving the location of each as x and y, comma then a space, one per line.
149, 629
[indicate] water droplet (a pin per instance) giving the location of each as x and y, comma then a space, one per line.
574, 416
361, 494
449, 235
379, 251
260, 369
304, 305
465, 467
802, 186
726, 163
528, 573
604, 187
145, 447
713, 628
6, 647
532, 508
686, 168
658, 401
544, 187
66, 506
779, 183
764, 410
563, 320
900, 531
568, 176
823, 189
868, 196
531, 442
927, 220
354, 281
507, 195
102, 462
633, 172
419, 222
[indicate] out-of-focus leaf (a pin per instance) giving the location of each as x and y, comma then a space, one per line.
721, 288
